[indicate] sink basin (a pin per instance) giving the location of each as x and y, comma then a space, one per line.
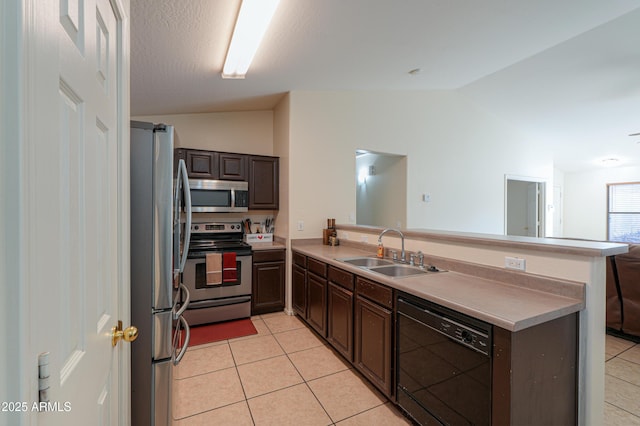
366, 262
387, 267
395, 271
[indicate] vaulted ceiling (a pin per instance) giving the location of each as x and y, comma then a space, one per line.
566, 72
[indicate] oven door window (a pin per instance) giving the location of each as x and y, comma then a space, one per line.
210, 198
201, 277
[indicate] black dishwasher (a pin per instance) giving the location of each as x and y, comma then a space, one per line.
443, 372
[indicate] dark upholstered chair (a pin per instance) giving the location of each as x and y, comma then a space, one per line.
623, 293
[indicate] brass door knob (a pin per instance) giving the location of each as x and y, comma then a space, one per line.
129, 334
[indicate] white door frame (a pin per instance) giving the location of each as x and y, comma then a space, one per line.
12, 326
542, 200
19, 88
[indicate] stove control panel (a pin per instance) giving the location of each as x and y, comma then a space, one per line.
215, 227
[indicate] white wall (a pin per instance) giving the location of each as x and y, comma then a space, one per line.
585, 200
455, 152
244, 132
281, 148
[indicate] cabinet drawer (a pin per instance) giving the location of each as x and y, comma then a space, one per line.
374, 291
317, 267
299, 259
338, 276
268, 256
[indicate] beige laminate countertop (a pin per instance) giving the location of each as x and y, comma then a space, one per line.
508, 306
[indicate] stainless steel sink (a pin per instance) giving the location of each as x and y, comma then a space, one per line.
366, 262
396, 271
387, 267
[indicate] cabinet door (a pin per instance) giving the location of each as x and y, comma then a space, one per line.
268, 288
299, 291
233, 166
317, 303
263, 182
202, 164
373, 343
340, 320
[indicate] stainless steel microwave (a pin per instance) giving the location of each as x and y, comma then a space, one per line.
212, 196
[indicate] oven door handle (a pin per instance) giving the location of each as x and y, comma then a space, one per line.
177, 358
183, 176
185, 304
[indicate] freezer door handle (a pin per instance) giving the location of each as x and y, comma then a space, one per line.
187, 332
187, 203
185, 304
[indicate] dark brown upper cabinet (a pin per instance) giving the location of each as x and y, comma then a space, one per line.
263, 182
233, 166
200, 164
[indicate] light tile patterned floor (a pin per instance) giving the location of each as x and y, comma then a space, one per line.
285, 375
622, 383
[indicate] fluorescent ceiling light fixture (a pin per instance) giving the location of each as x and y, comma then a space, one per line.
253, 19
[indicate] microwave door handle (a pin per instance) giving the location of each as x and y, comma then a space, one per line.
186, 302
187, 202
233, 198
187, 338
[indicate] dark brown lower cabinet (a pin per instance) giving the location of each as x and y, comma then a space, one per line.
267, 293
299, 290
340, 320
535, 374
317, 303
373, 351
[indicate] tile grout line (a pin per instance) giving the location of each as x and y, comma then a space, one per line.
353, 369
617, 355
305, 380
623, 409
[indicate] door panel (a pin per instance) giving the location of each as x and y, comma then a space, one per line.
317, 303
76, 106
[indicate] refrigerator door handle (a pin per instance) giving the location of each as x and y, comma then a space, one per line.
187, 338
187, 202
185, 304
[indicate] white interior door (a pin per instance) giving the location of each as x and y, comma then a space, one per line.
524, 206
532, 207
76, 147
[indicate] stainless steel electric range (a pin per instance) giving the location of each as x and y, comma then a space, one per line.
230, 299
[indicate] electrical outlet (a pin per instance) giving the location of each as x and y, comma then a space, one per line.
301, 225
345, 236
364, 239
515, 263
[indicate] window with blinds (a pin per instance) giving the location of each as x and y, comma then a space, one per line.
623, 212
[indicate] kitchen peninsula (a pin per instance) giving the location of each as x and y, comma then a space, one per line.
563, 279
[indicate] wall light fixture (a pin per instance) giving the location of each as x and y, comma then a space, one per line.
252, 23
363, 173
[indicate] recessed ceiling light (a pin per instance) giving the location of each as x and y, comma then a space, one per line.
610, 161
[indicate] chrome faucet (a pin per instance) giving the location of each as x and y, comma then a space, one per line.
403, 256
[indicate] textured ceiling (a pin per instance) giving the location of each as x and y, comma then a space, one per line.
564, 71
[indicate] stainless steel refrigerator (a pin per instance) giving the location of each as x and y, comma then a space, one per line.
159, 246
